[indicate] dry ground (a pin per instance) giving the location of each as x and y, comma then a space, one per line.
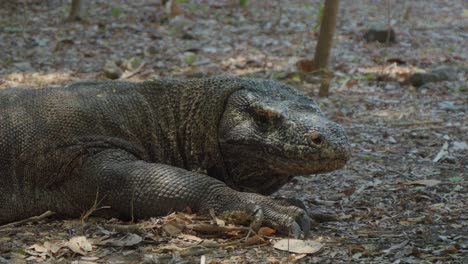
401, 199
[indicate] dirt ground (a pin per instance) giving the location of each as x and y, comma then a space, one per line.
402, 198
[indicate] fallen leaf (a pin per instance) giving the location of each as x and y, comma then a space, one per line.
190, 237
443, 153
351, 83
38, 248
127, 241
349, 191
305, 65
395, 247
429, 183
459, 145
89, 258
266, 231
298, 246
451, 250
172, 228
79, 245
273, 260
255, 240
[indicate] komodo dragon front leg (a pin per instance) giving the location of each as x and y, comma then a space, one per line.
158, 189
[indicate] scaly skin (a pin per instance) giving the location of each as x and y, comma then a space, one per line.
146, 149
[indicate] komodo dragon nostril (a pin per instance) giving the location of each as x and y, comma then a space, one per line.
316, 138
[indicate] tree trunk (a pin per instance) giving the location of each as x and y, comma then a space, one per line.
324, 44
75, 10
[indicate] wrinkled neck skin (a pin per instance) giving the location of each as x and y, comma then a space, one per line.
187, 115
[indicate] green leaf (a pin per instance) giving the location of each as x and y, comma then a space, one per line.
116, 12
171, 31
319, 18
243, 3
456, 179
296, 77
190, 59
13, 29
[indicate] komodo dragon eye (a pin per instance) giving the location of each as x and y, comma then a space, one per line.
265, 118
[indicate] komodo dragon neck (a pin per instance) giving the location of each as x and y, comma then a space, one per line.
188, 131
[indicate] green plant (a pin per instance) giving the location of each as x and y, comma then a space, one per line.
116, 12
319, 18
243, 3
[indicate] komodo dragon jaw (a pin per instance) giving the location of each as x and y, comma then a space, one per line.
267, 136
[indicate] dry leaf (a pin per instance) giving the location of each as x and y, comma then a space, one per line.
172, 228
349, 191
298, 246
443, 153
127, 241
273, 260
395, 247
79, 245
429, 183
351, 83
266, 231
255, 240
305, 65
190, 237
38, 248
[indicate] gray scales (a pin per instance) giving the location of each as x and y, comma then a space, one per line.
147, 149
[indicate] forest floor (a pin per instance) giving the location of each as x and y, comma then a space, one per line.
402, 198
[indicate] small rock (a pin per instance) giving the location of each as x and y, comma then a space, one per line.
3, 260
160, 64
449, 106
459, 145
210, 50
392, 86
23, 66
194, 74
187, 36
443, 73
380, 34
150, 50
201, 61
111, 70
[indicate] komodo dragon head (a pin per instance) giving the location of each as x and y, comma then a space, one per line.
270, 132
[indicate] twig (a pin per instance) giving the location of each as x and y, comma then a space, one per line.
215, 229
93, 208
124, 228
126, 75
36, 218
390, 170
411, 123
432, 128
322, 218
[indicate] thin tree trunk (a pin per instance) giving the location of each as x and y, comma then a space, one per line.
324, 44
75, 10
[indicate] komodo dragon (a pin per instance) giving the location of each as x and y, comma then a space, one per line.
146, 149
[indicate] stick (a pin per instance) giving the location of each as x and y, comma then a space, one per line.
36, 218
205, 228
130, 74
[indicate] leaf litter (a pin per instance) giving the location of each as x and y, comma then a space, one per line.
401, 198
